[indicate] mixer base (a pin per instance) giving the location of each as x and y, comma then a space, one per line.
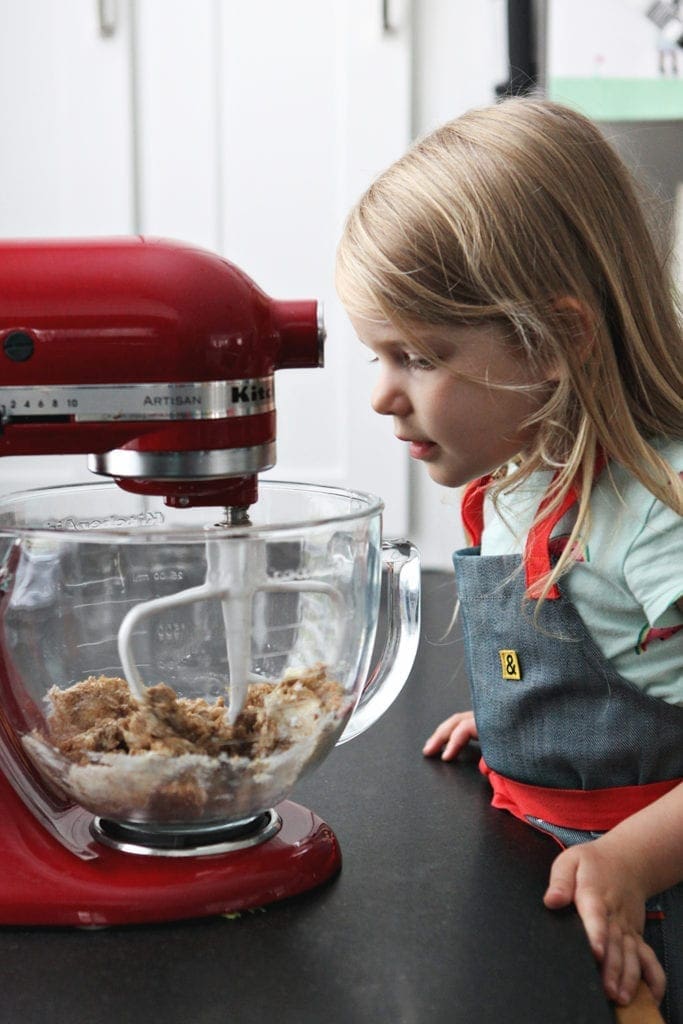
171, 841
43, 883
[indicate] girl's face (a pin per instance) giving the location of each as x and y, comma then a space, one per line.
461, 429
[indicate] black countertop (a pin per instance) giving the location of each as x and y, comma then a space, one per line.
435, 917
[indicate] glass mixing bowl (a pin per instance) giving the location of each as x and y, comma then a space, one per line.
135, 724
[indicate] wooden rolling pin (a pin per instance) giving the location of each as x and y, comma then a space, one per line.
641, 1010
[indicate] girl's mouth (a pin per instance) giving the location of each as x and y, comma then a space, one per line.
421, 449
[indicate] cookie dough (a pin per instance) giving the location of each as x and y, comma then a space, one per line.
177, 759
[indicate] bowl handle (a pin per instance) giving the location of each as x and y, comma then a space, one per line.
386, 680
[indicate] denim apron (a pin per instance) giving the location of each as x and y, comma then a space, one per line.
569, 746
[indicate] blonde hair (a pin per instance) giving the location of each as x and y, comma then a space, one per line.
522, 214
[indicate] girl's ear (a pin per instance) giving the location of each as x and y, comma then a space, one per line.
581, 320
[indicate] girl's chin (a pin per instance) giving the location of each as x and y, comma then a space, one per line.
453, 476
444, 476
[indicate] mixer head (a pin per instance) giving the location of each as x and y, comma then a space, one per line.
153, 357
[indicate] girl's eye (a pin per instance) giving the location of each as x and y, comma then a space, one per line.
416, 362
408, 360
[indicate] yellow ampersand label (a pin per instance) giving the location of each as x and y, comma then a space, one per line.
509, 663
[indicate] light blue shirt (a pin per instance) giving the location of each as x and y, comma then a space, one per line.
628, 572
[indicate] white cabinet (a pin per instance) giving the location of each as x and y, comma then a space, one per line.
66, 101
65, 111
247, 127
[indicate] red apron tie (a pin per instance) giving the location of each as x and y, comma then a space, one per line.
472, 509
589, 810
537, 557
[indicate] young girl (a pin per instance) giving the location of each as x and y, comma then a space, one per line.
503, 277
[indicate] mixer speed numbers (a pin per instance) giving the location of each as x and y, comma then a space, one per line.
154, 401
35, 403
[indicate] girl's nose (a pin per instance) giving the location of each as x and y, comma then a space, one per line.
388, 399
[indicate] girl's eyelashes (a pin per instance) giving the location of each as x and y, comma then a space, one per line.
409, 360
416, 362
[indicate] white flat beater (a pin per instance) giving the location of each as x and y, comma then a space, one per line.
235, 572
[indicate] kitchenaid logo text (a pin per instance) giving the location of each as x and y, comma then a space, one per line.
233, 393
251, 392
107, 522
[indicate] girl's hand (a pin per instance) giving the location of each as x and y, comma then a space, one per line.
611, 903
452, 736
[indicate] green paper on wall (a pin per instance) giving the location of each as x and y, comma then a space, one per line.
621, 99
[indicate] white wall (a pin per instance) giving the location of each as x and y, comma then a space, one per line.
460, 55
248, 128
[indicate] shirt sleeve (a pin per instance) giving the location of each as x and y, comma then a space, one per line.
653, 567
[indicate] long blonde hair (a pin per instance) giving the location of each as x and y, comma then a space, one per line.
523, 214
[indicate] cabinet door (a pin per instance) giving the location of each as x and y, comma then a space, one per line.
259, 123
65, 126
65, 119
248, 128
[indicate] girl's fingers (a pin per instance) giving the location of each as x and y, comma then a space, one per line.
459, 738
653, 972
595, 917
442, 736
435, 742
628, 958
627, 984
595, 921
613, 961
614, 940
561, 884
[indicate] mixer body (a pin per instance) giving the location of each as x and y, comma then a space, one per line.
154, 357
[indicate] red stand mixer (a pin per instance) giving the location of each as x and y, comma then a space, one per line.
154, 358
157, 360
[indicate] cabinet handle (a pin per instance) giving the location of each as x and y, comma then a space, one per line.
388, 28
107, 14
